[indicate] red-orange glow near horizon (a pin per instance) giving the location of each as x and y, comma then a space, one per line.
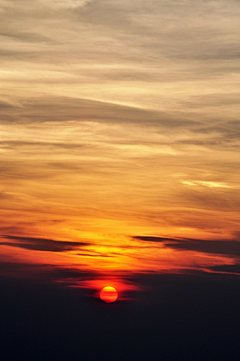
109, 294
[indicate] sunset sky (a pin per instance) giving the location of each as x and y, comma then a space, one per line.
119, 139
119, 169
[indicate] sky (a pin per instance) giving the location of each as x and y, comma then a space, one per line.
119, 142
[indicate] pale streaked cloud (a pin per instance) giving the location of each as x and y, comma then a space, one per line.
64, 4
207, 184
161, 55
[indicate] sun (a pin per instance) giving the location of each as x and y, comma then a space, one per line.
109, 294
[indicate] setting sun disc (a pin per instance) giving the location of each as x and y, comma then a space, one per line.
109, 294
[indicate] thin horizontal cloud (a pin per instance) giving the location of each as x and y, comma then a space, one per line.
18, 143
64, 4
42, 244
152, 239
94, 255
224, 199
5, 105
62, 109
226, 247
233, 268
46, 272
4, 195
27, 37
207, 184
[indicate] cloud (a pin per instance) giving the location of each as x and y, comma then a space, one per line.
44, 273
64, 4
96, 255
4, 195
62, 109
226, 247
42, 244
224, 199
152, 239
207, 184
174, 56
156, 81
233, 268
5, 105
29, 37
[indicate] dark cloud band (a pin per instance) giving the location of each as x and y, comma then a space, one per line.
42, 244
227, 247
